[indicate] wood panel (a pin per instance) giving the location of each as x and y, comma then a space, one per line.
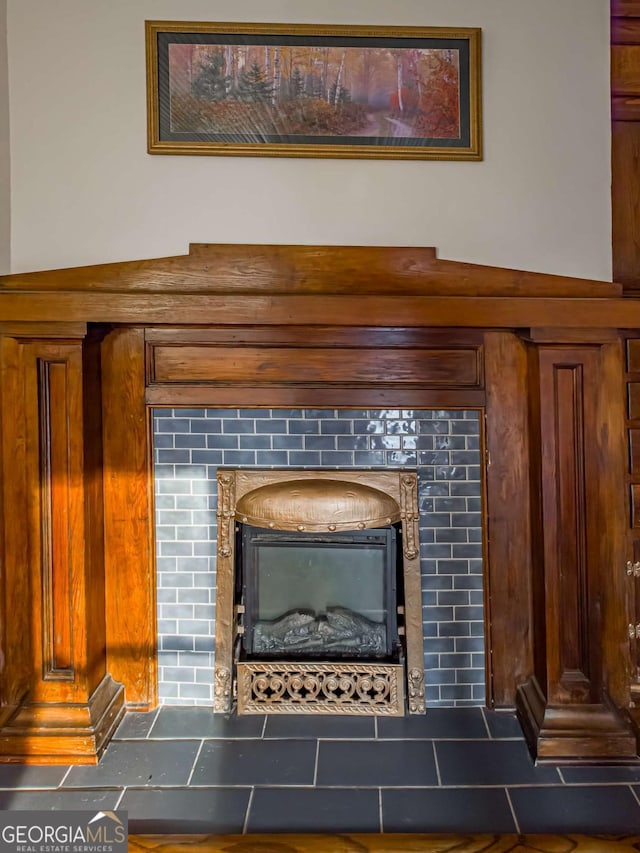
288, 388
609, 523
566, 711
622, 8
313, 397
625, 30
625, 164
53, 382
72, 706
128, 509
335, 366
632, 478
563, 463
509, 517
625, 144
15, 587
55, 520
363, 270
291, 335
347, 311
625, 69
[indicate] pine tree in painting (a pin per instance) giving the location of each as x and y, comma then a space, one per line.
211, 83
253, 85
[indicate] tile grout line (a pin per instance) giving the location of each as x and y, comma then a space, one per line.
154, 721
264, 727
562, 779
380, 810
338, 786
435, 760
486, 723
315, 769
195, 761
513, 811
633, 791
375, 728
119, 800
245, 825
64, 778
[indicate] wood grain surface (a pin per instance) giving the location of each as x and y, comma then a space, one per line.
401, 843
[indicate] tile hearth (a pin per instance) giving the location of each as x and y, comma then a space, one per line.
184, 770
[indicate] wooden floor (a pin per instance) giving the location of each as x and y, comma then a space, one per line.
383, 843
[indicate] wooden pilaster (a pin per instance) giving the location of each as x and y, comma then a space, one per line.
568, 708
60, 705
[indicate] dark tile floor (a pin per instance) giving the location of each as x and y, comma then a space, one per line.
464, 770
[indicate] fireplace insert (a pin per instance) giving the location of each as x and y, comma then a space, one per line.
328, 596
318, 594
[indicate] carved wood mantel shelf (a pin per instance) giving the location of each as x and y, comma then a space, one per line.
85, 353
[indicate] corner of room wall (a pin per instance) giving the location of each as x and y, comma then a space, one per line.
5, 171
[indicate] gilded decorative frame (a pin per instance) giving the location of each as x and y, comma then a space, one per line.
401, 485
314, 91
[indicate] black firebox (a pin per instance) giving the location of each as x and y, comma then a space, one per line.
329, 596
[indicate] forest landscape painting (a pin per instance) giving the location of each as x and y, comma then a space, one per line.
301, 90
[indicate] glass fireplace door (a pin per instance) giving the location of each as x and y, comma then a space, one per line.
328, 596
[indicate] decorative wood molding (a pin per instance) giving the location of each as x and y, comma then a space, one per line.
560, 734
130, 578
347, 270
55, 522
51, 733
512, 340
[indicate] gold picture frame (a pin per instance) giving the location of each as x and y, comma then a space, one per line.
298, 90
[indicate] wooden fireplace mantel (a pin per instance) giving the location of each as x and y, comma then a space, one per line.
553, 362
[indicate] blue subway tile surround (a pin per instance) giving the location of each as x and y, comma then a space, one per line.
190, 445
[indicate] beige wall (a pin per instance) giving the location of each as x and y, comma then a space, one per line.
5, 211
84, 190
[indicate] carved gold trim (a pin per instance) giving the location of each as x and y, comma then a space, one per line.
225, 512
225, 622
320, 688
414, 640
222, 690
415, 679
409, 511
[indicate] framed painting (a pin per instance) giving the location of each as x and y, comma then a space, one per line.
313, 91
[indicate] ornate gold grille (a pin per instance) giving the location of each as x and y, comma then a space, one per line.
320, 688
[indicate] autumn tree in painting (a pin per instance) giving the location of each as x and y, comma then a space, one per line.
287, 89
